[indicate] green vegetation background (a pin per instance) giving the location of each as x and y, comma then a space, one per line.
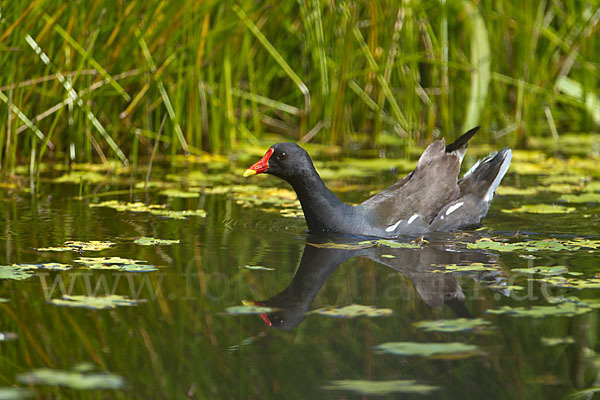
109, 79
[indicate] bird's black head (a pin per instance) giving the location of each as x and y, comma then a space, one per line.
285, 160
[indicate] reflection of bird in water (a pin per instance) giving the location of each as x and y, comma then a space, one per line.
317, 265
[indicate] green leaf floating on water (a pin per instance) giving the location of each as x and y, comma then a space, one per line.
540, 209
569, 307
380, 388
14, 273
345, 246
249, 309
396, 245
148, 241
154, 209
116, 263
535, 245
52, 266
353, 311
12, 393
179, 193
73, 245
437, 350
581, 198
95, 302
81, 176
453, 325
474, 267
515, 191
573, 283
72, 379
548, 271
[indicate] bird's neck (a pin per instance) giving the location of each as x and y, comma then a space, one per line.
323, 211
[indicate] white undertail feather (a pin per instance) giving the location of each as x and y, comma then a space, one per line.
505, 164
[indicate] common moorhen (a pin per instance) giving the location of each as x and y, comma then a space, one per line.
431, 198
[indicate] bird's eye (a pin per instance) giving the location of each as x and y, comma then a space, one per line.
282, 156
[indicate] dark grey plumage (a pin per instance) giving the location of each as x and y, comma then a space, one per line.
430, 198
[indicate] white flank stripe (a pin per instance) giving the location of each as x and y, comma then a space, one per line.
455, 207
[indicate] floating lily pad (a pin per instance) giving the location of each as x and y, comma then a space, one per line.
353, 311
154, 209
106, 260
125, 206
567, 308
73, 245
388, 256
14, 273
573, 283
581, 198
535, 245
249, 309
556, 341
437, 350
81, 176
453, 325
345, 246
12, 393
116, 263
179, 193
381, 388
72, 379
179, 214
515, 191
540, 209
396, 245
148, 241
474, 267
52, 266
548, 271
592, 187
257, 268
95, 302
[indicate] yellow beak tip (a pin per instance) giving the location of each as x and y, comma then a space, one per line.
249, 172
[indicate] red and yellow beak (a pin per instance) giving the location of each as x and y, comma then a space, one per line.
260, 166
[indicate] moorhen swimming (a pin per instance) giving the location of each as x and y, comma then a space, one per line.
431, 198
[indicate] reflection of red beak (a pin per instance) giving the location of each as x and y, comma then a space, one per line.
261, 166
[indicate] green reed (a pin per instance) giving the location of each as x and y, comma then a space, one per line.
93, 81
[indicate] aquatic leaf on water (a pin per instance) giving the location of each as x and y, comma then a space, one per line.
388, 256
81, 176
345, 246
72, 379
257, 268
474, 267
568, 307
179, 193
436, 349
14, 273
52, 266
453, 325
154, 209
555, 341
353, 311
535, 245
396, 245
148, 241
555, 270
581, 198
95, 302
126, 206
13, 393
249, 309
540, 209
107, 260
515, 191
573, 283
572, 179
380, 388
74, 245
183, 214
137, 268
592, 187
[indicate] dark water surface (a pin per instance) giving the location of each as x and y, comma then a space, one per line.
182, 343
